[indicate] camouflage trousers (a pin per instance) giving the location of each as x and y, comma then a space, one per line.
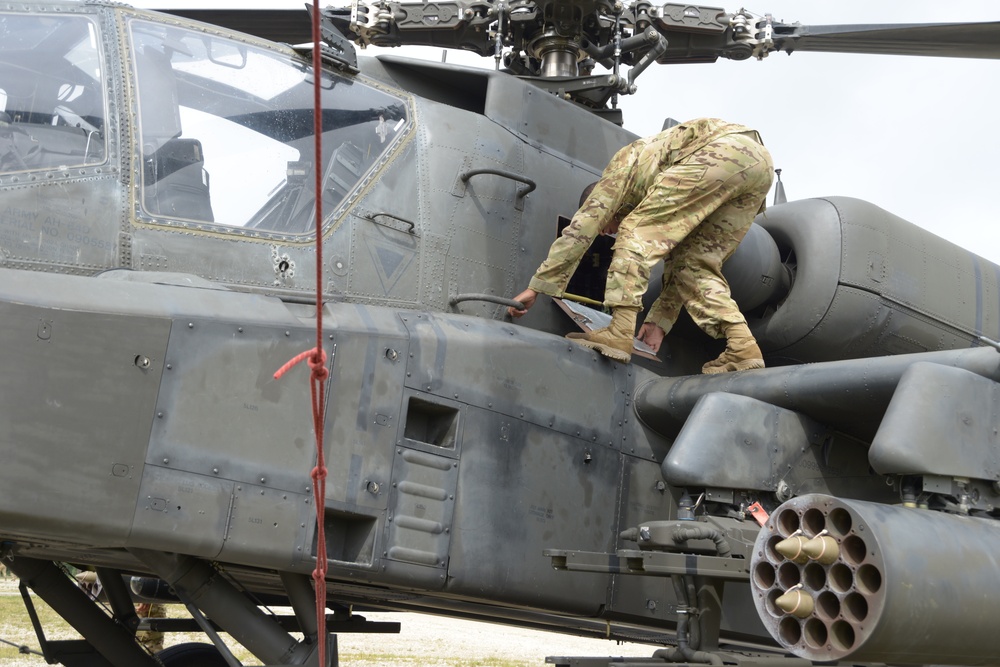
151, 640
693, 216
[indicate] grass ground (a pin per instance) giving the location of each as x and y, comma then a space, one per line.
424, 641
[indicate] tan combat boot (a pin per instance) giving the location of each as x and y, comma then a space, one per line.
614, 340
741, 353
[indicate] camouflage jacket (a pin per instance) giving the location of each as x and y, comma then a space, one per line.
622, 186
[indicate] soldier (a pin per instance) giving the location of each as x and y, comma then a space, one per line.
687, 195
151, 640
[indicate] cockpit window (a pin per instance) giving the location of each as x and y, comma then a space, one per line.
227, 132
52, 106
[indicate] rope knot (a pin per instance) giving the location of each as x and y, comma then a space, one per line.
316, 358
317, 362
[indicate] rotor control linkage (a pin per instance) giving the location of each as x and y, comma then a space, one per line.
556, 41
547, 43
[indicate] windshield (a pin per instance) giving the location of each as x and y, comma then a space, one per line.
52, 107
227, 132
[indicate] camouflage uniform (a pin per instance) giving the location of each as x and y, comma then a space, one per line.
688, 193
151, 640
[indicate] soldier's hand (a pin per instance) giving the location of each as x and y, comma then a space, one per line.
527, 297
652, 335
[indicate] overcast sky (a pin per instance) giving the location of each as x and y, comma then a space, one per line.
916, 136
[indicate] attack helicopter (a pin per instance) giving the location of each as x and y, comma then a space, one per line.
155, 251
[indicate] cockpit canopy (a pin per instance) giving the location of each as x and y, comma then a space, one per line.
52, 94
227, 133
225, 129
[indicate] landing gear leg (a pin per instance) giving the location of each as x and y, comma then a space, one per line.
206, 592
106, 641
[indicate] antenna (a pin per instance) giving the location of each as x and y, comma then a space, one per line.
779, 190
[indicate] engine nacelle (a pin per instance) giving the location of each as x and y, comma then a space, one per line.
864, 283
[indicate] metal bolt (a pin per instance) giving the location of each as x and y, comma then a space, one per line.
262, 480
165, 460
159, 415
240, 329
190, 325
169, 366
215, 470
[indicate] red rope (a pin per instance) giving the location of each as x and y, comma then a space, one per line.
318, 361
317, 356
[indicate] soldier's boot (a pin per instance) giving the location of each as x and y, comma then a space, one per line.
614, 340
741, 353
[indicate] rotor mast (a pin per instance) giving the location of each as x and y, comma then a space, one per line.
558, 43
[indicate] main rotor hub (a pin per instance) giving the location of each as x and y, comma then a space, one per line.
558, 55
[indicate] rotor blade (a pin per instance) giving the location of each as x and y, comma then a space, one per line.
955, 40
291, 26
